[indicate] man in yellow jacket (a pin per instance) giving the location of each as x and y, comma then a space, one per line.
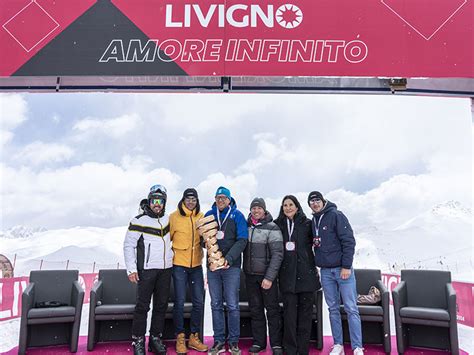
187, 269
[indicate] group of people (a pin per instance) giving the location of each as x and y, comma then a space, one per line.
284, 253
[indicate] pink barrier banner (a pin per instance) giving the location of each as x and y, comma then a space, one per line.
371, 38
12, 288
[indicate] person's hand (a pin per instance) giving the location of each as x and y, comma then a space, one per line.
266, 284
226, 264
345, 273
133, 277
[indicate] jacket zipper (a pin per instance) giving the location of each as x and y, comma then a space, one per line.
250, 249
164, 245
148, 256
192, 241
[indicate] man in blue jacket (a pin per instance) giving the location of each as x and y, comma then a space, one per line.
224, 283
334, 247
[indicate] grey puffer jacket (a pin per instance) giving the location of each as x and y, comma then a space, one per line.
264, 252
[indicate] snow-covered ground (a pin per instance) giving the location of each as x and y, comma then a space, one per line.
440, 238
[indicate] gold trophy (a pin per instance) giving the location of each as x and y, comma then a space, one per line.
207, 228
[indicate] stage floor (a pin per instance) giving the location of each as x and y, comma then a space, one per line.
125, 348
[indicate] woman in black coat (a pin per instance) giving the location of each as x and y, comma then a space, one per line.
298, 277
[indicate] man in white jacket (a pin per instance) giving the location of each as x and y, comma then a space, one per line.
149, 260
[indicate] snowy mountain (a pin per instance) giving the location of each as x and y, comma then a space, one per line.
440, 238
21, 232
75, 248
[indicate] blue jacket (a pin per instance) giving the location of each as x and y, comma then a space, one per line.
337, 244
235, 233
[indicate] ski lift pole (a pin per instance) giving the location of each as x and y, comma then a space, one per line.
67, 264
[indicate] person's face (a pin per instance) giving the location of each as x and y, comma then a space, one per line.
190, 203
222, 201
257, 212
157, 204
289, 208
316, 204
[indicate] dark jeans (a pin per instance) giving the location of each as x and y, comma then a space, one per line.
154, 282
184, 277
259, 300
297, 313
224, 285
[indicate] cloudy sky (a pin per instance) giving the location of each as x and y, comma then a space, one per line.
87, 159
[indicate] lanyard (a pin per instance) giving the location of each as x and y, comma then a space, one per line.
290, 229
316, 227
219, 219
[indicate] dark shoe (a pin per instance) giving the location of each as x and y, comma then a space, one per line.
138, 346
255, 349
277, 350
217, 348
155, 345
234, 349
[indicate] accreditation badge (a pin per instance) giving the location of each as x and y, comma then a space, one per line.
220, 235
290, 246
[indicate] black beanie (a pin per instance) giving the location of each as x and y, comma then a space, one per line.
316, 194
258, 202
190, 193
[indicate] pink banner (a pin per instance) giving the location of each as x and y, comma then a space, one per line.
372, 38
12, 288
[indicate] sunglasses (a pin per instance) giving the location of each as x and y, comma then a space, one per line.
315, 200
157, 201
190, 199
221, 198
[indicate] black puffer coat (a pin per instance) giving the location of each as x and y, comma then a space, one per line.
298, 272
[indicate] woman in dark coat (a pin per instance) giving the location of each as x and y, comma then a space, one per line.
298, 276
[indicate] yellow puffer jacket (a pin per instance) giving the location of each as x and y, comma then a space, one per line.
186, 241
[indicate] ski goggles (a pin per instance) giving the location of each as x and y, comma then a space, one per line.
158, 188
157, 201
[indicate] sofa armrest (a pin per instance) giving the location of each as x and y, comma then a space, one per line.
385, 295
27, 299
77, 295
399, 295
451, 301
96, 294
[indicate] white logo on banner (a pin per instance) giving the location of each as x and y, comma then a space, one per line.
237, 15
289, 16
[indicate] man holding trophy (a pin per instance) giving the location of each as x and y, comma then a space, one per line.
224, 230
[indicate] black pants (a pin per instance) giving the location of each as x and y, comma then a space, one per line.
259, 300
154, 282
297, 312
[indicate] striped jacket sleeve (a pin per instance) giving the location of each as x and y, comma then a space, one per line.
129, 246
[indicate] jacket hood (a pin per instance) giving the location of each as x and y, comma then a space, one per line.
145, 208
232, 206
187, 211
266, 219
329, 206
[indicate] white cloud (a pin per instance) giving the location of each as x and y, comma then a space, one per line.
137, 162
13, 109
267, 153
113, 127
39, 153
86, 194
5, 137
242, 188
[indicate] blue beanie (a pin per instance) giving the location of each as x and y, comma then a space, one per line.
223, 191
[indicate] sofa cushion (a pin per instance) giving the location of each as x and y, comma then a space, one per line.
425, 313
115, 309
63, 311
